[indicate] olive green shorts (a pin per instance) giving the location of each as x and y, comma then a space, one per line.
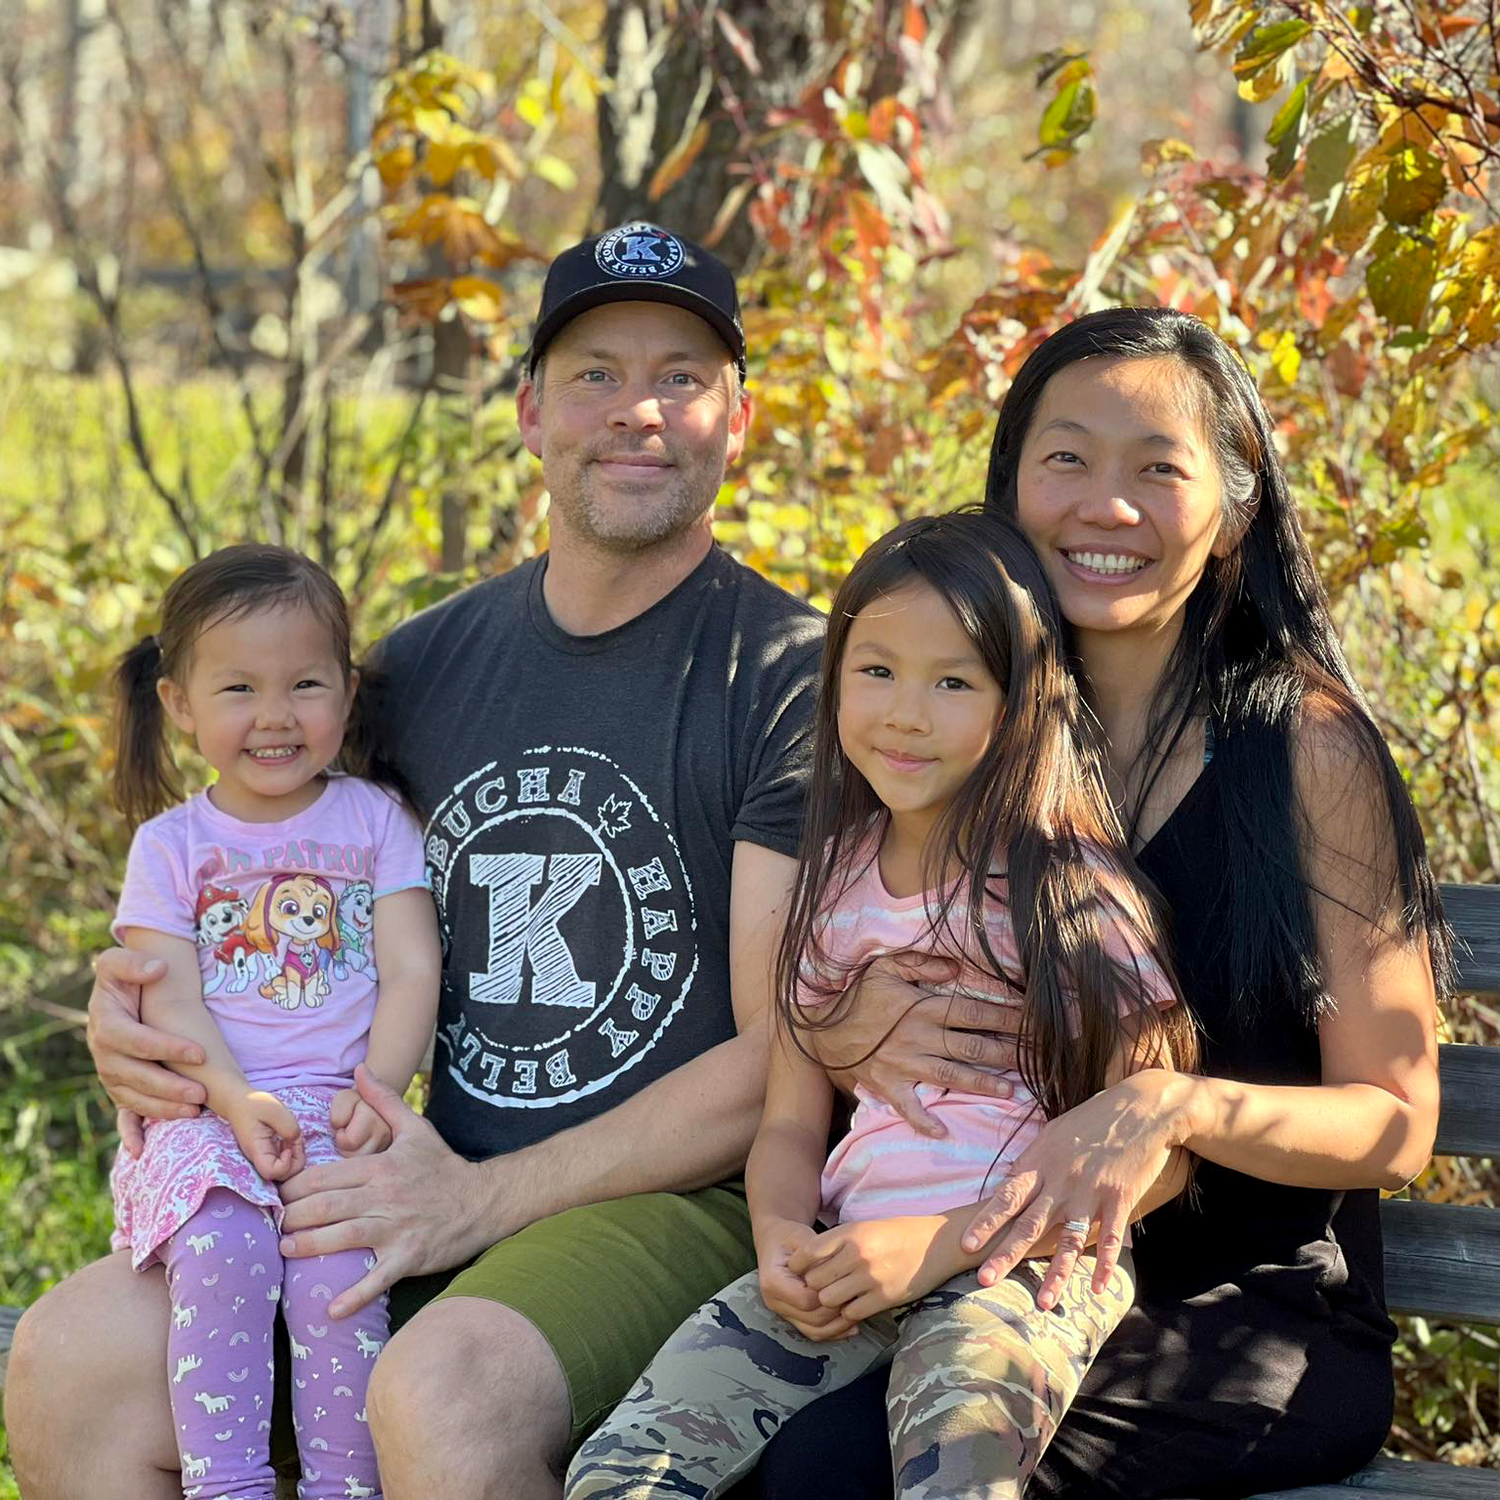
605, 1285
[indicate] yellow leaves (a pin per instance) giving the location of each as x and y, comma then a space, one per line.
478, 298
1286, 358
1162, 151
1358, 205
436, 81
452, 147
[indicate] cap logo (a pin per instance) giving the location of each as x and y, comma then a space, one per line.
639, 251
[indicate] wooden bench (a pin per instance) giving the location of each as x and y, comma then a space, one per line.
1441, 1260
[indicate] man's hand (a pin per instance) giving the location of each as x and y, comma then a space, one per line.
418, 1206
869, 1266
357, 1129
904, 1030
129, 1056
788, 1295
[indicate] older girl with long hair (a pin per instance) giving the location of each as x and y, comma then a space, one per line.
1134, 451
957, 810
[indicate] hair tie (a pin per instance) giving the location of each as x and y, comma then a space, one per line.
152, 643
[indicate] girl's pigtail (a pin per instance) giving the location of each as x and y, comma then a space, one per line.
145, 779
366, 747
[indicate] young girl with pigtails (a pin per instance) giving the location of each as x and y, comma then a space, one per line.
289, 906
958, 810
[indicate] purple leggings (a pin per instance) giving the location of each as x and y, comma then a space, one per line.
226, 1275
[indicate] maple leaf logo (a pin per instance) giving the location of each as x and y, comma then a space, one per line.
614, 817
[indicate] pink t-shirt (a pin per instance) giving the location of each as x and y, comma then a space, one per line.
883, 1168
282, 915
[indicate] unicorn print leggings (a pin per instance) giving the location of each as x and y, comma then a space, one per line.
980, 1379
226, 1277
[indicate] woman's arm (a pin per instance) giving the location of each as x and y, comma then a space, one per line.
267, 1131
1371, 1120
409, 964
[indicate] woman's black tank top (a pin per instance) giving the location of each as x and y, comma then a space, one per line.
1316, 1254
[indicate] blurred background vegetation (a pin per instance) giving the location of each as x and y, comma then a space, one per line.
266, 269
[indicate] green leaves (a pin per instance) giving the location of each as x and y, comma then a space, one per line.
1263, 62
1401, 276
1414, 185
1070, 114
1287, 130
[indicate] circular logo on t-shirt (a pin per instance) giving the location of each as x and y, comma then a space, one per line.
569, 933
639, 250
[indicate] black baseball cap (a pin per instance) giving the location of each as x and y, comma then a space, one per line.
639, 263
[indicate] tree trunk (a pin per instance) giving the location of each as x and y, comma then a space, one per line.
674, 68
678, 65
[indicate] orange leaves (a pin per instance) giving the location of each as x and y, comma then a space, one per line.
675, 164
459, 226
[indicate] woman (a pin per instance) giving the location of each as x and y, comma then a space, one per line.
1134, 451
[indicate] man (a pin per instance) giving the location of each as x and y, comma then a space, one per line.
609, 746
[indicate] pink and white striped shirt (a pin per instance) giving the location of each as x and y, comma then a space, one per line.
883, 1168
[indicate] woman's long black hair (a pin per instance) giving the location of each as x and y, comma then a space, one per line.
1032, 827
1259, 655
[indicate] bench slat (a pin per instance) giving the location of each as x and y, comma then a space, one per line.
1470, 1122
1405, 1481
1441, 1260
1474, 911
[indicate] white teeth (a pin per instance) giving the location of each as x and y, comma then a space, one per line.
282, 752
1107, 562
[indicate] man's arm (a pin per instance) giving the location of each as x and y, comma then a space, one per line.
421, 1208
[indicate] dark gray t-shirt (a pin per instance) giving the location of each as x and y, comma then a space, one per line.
581, 798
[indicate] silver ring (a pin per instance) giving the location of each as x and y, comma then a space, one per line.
1078, 1226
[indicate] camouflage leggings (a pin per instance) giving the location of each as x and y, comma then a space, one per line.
979, 1381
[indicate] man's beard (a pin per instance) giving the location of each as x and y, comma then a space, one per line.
608, 523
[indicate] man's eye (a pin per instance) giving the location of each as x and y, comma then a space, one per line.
594, 377
682, 377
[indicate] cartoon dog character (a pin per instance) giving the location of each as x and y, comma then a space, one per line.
299, 908
219, 915
356, 922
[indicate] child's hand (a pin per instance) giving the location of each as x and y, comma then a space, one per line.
269, 1135
357, 1129
788, 1295
867, 1267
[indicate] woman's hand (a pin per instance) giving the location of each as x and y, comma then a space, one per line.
268, 1134
867, 1267
904, 1030
785, 1293
357, 1129
1103, 1162
129, 1056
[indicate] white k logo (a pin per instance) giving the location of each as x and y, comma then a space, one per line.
519, 929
